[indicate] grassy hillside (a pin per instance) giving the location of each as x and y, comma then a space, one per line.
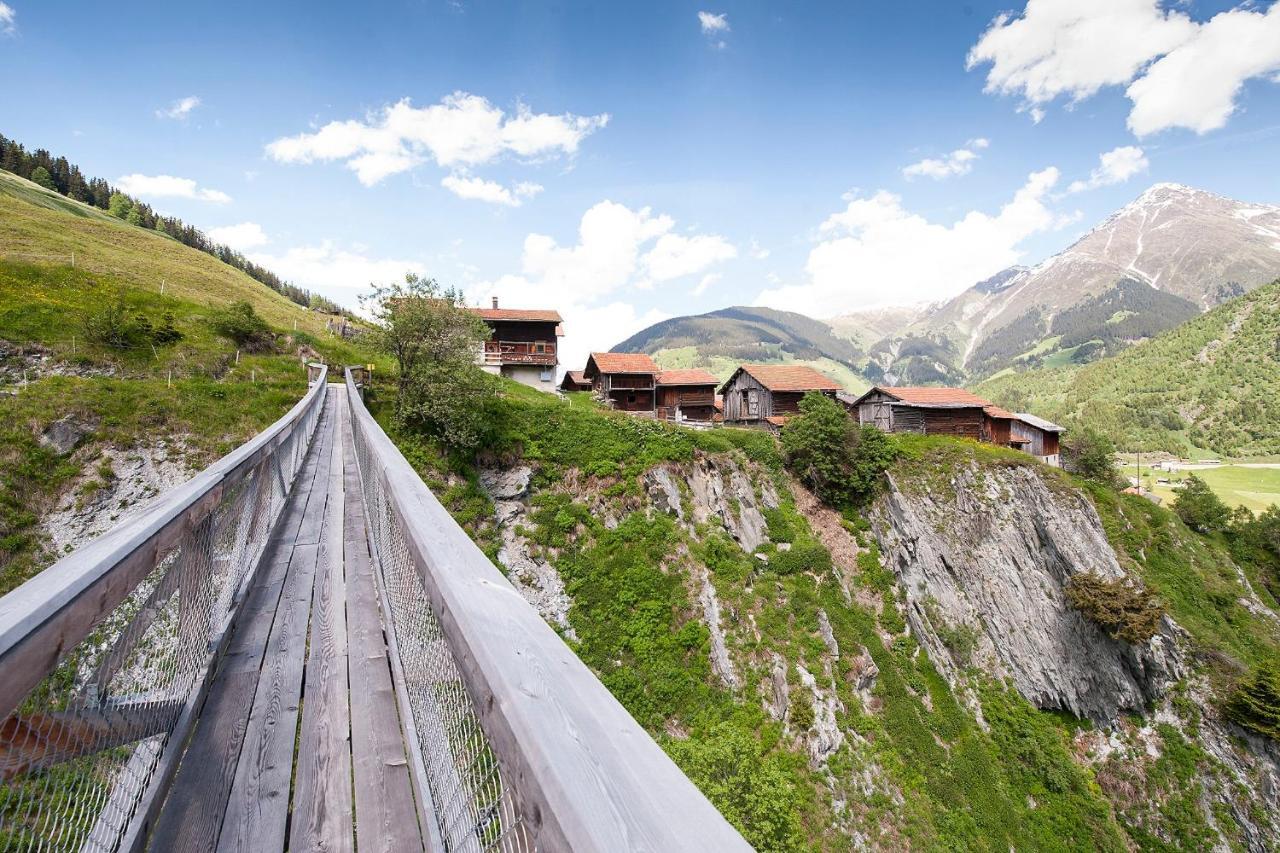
916, 768
194, 392
1212, 384
721, 340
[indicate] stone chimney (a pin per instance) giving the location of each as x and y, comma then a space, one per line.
495, 302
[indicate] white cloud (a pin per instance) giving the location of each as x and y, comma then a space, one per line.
180, 108
462, 130
7, 16
168, 186
1196, 85
337, 273
1114, 167
714, 26
675, 256
1178, 72
757, 251
490, 191
618, 250
712, 23
876, 253
706, 282
958, 162
246, 235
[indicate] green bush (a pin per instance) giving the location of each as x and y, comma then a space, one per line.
842, 462
241, 324
110, 325
1200, 508
808, 557
1090, 454
1123, 609
1255, 704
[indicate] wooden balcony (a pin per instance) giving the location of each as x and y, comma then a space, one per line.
519, 352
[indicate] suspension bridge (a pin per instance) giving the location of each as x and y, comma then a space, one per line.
300, 649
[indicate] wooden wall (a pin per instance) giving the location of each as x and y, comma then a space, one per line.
1042, 443
526, 332
876, 411
737, 397
962, 423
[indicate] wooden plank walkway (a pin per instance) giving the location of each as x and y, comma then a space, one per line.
299, 744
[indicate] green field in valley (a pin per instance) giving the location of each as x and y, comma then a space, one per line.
1241, 484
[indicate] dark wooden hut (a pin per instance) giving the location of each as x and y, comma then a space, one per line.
626, 380
766, 394
686, 395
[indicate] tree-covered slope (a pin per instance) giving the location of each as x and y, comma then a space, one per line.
1211, 383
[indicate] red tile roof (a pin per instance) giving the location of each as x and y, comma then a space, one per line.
926, 396
539, 315
575, 377
624, 362
686, 377
997, 412
791, 377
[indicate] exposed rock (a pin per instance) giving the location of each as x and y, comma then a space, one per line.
506, 484
825, 737
993, 550
775, 691
663, 490
63, 435
828, 636
862, 674
721, 489
95, 503
721, 662
827, 526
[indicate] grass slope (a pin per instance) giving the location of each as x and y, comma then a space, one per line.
1211, 384
195, 391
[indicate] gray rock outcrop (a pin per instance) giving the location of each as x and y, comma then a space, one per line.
990, 552
65, 434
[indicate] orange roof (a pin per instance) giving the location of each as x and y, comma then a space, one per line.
997, 412
790, 377
778, 420
574, 376
540, 315
624, 362
928, 396
686, 377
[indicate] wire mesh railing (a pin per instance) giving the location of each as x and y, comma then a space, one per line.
518, 745
106, 656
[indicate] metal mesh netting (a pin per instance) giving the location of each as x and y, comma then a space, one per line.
81, 755
474, 809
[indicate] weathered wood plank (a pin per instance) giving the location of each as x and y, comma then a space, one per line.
192, 814
386, 818
322, 799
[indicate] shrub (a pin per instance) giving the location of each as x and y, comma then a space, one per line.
1200, 508
807, 557
110, 325
1123, 609
1090, 454
1255, 704
242, 325
841, 461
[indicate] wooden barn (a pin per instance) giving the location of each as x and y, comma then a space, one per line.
686, 395
573, 380
626, 380
1037, 437
766, 394
955, 412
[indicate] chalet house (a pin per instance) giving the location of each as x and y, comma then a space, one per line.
627, 381
766, 394
522, 344
955, 412
574, 381
686, 395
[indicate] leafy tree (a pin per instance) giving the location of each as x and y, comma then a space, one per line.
120, 205
41, 176
752, 790
241, 324
434, 339
1200, 508
841, 461
1255, 704
1090, 454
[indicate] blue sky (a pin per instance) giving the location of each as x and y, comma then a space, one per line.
626, 162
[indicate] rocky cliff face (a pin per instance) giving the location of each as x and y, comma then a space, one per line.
983, 555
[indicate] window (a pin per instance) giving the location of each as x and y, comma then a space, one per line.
539, 347
631, 398
547, 375
753, 403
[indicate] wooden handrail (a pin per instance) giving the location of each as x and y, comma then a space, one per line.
586, 775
